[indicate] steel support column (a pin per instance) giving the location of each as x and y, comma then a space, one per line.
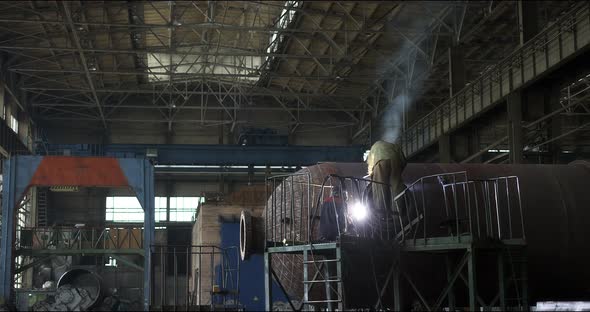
515, 132
555, 127
397, 292
451, 294
140, 175
267, 282
444, 149
501, 281
457, 75
472, 280
528, 20
18, 172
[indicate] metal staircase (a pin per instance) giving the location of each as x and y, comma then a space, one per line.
324, 267
42, 206
516, 286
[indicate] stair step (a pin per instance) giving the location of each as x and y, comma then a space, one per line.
322, 301
322, 281
321, 261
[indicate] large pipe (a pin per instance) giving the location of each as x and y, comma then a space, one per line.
555, 202
82, 279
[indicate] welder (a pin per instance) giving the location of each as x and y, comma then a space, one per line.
332, 218
386, 162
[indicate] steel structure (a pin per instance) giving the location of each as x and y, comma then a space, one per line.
408, 237
237, 155
492, 216
547, 51
188, 61
24, 172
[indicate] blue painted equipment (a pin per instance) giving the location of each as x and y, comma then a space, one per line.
237, 155
23, 172
251, 272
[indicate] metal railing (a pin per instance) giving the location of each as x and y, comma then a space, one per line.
561, 39
373, 199
451, 205
294, 209
288, 210
440, 205
72, 238
200, 275
494, 207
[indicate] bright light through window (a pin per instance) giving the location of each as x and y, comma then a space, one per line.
224, 66
184, 208
284, 21
127, 209
13, 123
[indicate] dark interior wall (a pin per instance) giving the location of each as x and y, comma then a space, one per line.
85, 206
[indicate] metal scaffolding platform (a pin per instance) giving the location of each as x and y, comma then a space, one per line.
475, 226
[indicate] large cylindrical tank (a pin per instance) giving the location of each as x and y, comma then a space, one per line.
556, 212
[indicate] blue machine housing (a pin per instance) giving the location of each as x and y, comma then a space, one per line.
251, 272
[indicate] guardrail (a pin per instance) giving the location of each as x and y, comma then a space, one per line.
435, 206
451, 205
364, 209
83, 238
196, 275
543, 53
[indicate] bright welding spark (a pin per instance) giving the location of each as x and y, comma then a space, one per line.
359, 211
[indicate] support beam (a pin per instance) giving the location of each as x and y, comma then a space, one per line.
267, 282
457, 74
444, 149
515, 131
84, 62
472, 280
528, 20
555, 126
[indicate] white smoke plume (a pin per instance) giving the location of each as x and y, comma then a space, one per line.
391, 119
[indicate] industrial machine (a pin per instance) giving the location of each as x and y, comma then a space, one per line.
77, 290
49, 251
61, 254
458, 235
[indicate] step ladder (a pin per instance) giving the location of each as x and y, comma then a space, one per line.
328, 271
42, 207
517, 281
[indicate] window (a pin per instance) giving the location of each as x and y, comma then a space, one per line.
13, 124
128, 209
285, 19
244, 67
160, 209
184, 208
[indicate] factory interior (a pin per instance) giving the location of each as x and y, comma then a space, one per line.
295, 155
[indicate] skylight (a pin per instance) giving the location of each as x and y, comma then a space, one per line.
287, 16
202, 60
225, 66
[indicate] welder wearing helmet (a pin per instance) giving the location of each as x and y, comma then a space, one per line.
332, 219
